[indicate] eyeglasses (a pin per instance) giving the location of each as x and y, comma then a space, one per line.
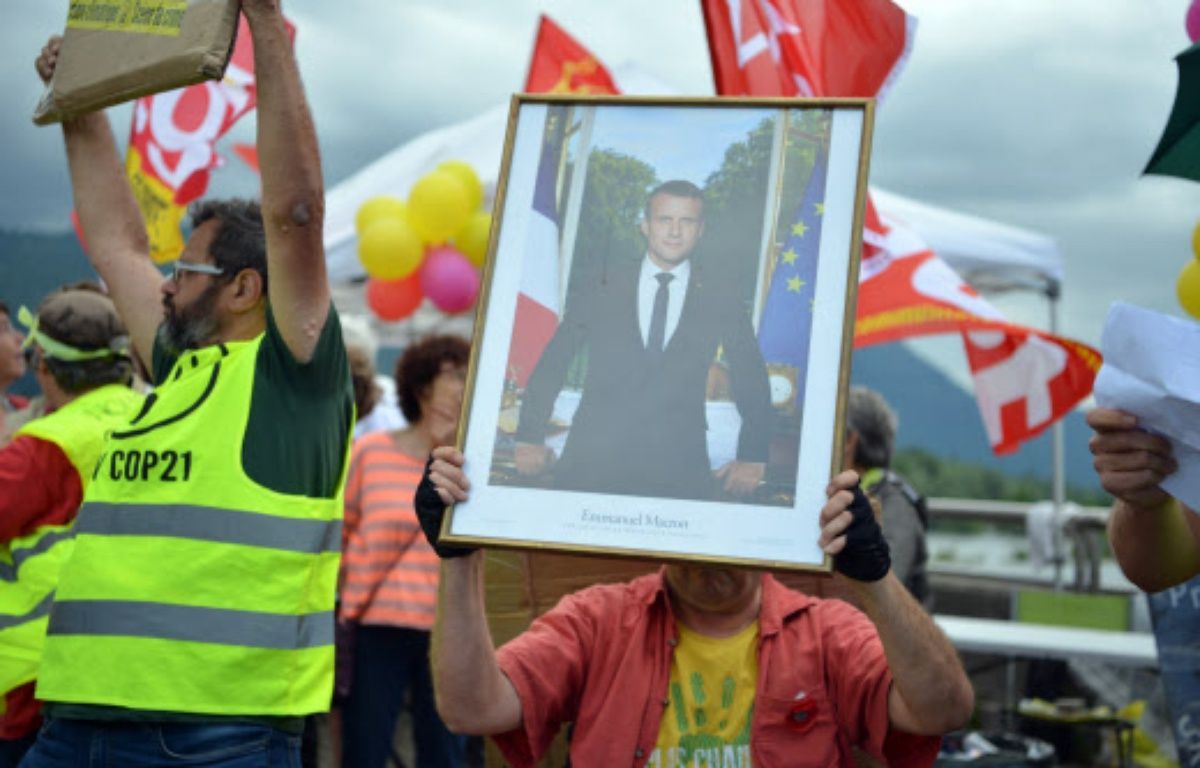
180, 267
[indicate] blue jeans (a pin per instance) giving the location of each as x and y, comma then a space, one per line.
12, 750
89, 744
390, 662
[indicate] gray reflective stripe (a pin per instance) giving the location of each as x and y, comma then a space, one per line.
184, 521
9, 571
163, 621
40, 610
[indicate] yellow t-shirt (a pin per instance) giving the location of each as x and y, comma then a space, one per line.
706, 723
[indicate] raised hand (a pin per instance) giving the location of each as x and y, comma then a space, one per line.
47, 60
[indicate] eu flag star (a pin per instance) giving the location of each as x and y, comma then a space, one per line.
790, 256
795, 284
799, 228
820, 208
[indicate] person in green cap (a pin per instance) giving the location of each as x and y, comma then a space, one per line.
79, 352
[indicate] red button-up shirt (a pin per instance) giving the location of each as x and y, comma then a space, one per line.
602, 660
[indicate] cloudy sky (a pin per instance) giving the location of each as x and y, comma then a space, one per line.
1037, 114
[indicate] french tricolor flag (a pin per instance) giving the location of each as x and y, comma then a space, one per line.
538, 303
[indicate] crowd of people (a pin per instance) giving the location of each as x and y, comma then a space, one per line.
214, 526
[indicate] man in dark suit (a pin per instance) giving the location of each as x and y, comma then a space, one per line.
652, 330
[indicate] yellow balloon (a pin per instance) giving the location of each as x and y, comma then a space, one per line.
1196, 241
438, 206
389, 249
1188, 288
381, 207
470, 181
472, 239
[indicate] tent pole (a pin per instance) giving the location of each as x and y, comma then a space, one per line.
1058, 458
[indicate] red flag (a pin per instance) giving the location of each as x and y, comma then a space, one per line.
561, 65
795, 48
172, 143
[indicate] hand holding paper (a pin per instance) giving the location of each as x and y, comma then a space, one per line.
1152, 372
1131, 462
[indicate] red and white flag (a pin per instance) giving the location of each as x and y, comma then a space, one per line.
1025, 379
806, 48
559, 65
172, 144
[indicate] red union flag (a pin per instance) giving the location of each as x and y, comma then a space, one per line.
171, 144
561, 65
1025, 379
806, 47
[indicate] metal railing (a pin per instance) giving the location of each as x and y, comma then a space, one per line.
1083, 527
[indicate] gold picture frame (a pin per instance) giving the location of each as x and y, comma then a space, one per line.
658, 269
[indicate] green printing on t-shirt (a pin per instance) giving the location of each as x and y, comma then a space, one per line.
693, 744
698, 696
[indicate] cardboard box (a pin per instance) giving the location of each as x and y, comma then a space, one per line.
117, 50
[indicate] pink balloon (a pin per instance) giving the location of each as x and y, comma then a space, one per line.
1192, 22
449, 279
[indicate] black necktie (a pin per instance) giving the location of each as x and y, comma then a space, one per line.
658, 316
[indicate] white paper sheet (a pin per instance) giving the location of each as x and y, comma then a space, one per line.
1152, 370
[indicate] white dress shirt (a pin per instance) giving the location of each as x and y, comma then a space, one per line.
676, 290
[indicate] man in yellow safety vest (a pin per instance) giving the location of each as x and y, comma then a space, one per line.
193, 623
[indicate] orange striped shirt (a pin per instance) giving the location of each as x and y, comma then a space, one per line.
389, 572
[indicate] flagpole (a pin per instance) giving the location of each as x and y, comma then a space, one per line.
1058, 458
574, 204
771, 214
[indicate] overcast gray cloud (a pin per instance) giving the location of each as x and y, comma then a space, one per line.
1042, 115
1038, 114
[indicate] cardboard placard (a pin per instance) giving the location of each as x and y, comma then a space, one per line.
117, 50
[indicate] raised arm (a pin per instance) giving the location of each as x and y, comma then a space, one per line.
1155, 539
112, 225
293, 193
473, 694
930, 691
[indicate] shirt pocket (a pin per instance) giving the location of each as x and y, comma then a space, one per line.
796, 733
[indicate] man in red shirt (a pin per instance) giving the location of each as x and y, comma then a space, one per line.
703, 665
82, 363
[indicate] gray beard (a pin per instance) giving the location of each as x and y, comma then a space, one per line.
177, 335
191, 329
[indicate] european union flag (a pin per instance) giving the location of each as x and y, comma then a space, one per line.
783, 333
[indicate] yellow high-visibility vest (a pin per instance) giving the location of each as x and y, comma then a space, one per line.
30, 565
192, 588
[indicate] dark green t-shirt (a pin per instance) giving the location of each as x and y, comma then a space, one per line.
300, 413
301, 417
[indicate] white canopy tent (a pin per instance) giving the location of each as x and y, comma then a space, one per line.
989, 255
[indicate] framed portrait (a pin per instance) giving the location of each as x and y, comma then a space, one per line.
663, 338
